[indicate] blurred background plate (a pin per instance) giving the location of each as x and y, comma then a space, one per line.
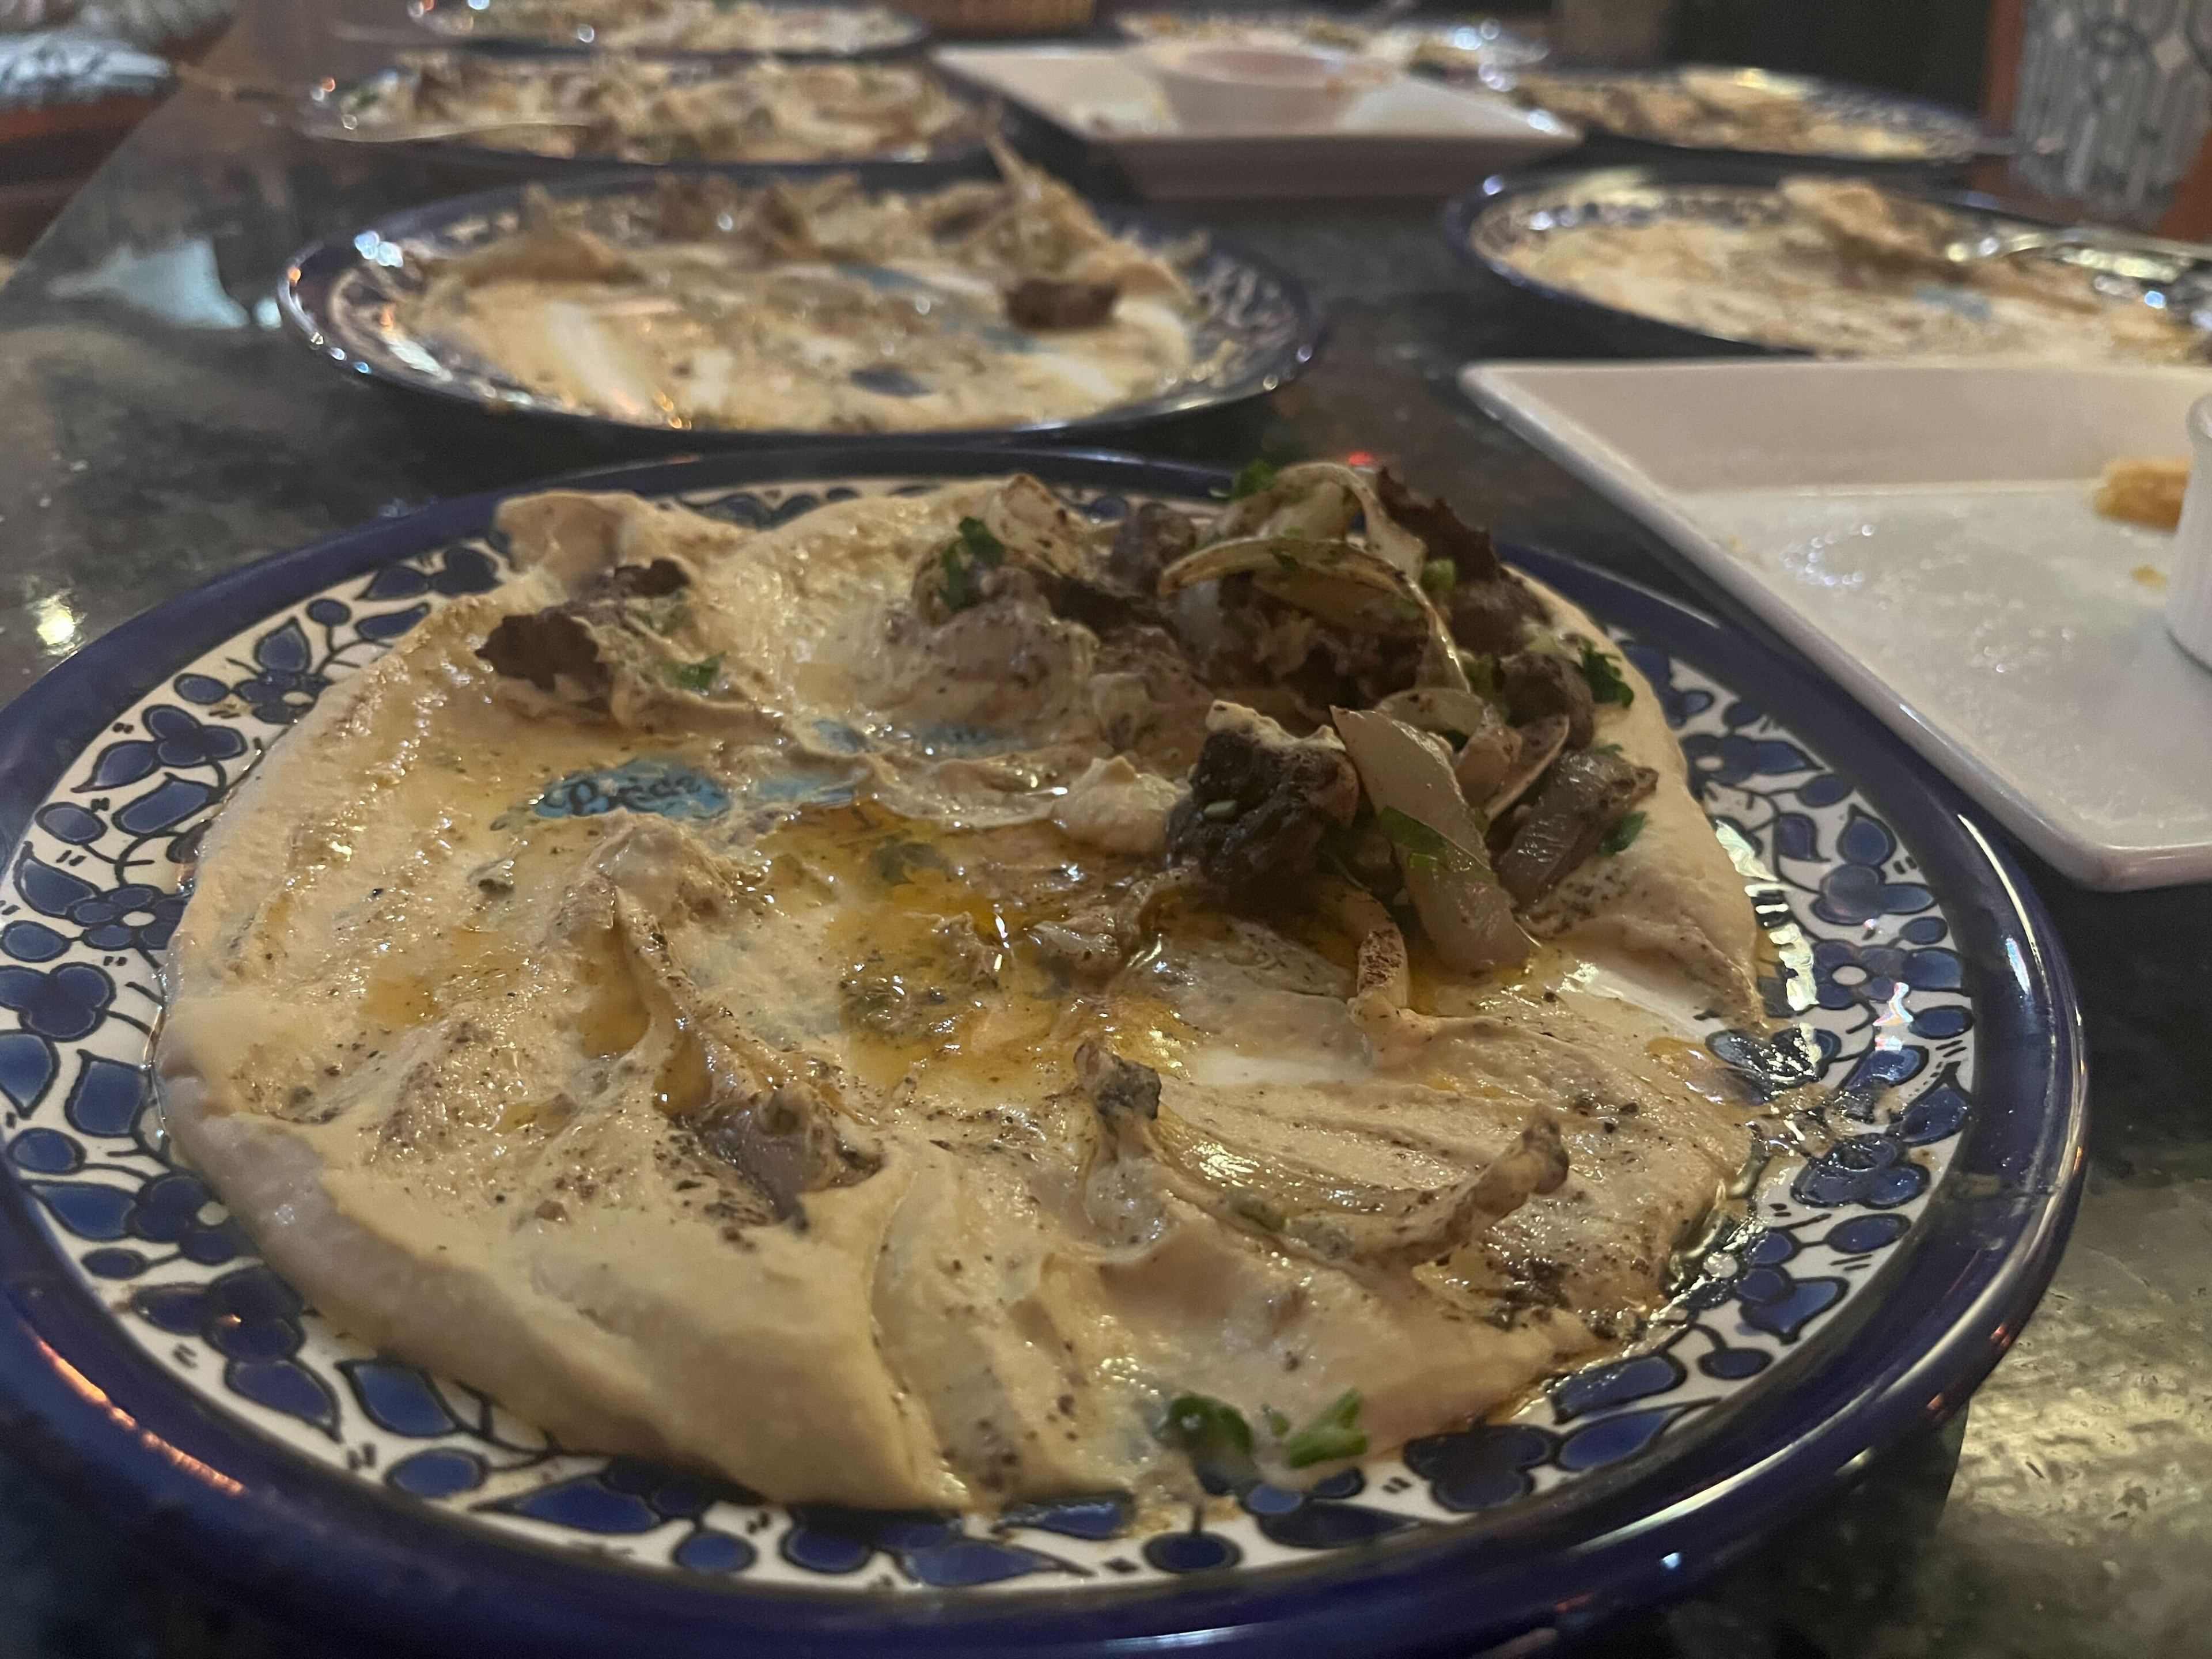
1256, 326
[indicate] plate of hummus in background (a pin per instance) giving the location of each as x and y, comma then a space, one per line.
1755, 112
677, 27
1817, 265
1003, 1047
704, 306
612, 108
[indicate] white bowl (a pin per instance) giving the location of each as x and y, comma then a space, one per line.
1214, 87
2189, 588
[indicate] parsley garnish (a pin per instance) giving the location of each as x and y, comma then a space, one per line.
1334, 1433
1439, 576
1214, 1435
965, 557
1603, 674
693, 676
1482, 673
1255, 476
1622, 836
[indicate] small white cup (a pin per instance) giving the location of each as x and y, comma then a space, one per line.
2188, 585
1215, 88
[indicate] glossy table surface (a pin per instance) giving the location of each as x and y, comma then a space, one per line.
159, 427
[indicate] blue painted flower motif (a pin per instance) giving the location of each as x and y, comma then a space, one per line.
1845, 973
1733, 758
180, 741
65, 1004
1856, 890
281, 696
133, 916
251, 1318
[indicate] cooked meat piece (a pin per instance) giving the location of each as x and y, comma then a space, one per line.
1540, 684
544, 648
1148, 540
1441, 530
696, 208
782, 1142
1121, 1089
1041, 302
1583, 797
636, 581
1260, 801
1102, 607
1488, 616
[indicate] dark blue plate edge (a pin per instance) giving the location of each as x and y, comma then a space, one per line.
318, 1544
309, 275
1650, 335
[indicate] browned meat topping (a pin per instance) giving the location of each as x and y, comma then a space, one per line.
1042, 303
544, 647
636, 581
1149, 539
1490, 616
1540, 684
1583, 796
1260, 802
1473, 555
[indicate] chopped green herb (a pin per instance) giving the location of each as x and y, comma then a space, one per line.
972, 551
1334, 1433
1219, 810
1622, 836
1255, 476
1405, 610
1422, 864
693, 676
1214, 1435
1284, 561
1439, 576
1277, 1424
1603, 674
1482, 673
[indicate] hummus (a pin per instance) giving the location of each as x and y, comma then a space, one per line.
943, 1001
1843, 268
819, 307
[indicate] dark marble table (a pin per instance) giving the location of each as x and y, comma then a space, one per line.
157, 427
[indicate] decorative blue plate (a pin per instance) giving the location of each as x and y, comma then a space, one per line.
327, 111
1258, 326
145, 1350
1948, 138
1510, 210
462, 23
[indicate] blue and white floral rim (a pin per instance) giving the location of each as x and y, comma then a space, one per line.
151, 1352
1257, 327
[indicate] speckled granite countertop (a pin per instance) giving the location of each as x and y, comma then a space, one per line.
160, 429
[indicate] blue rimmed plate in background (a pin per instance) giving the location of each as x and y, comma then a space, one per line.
348, 113
1510, 213
686, 28
1884, 134
146, 1352
1253, 328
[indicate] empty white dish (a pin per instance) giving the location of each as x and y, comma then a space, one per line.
1922, 533
1406, 136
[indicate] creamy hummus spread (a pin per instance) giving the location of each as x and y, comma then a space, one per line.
819, 307
641, 110
946, 1000
1843, 268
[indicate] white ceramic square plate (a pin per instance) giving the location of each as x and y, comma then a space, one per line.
1922, 533
1407, 137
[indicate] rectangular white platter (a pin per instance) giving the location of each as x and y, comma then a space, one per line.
1407, 138
1922, 533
